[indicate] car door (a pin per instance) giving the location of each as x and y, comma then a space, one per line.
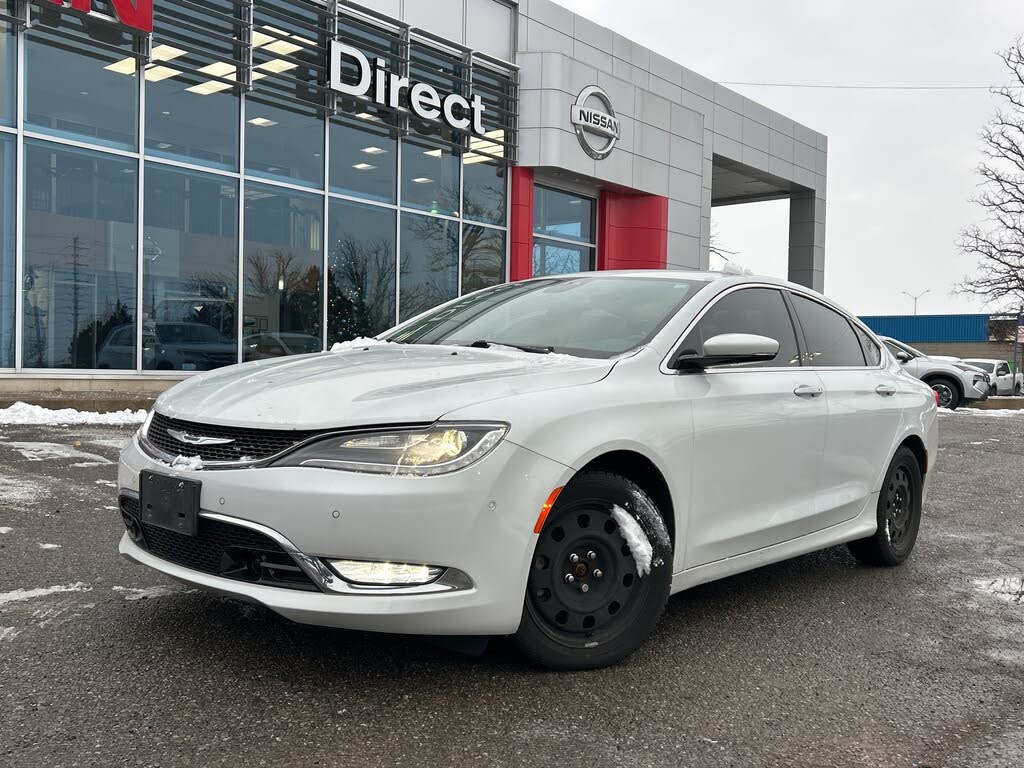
758, 434
865, 407
1002, 379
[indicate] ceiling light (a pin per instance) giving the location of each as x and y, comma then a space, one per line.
157, 72
368, 116
472, 159
276, 65
364, 167
163, 145
279, 41
374, 150
218, 69
167, 52
262, 122
210, 86
433, 153
123, 67
423, 180
258, 76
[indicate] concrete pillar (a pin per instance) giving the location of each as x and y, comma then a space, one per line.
807, 239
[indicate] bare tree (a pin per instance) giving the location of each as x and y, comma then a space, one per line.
998, 242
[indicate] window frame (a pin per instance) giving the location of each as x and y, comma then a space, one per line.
850, 321
712, 302
591, 243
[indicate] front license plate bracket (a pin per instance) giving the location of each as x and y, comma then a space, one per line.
169, 502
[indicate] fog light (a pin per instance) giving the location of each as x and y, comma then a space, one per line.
385, 574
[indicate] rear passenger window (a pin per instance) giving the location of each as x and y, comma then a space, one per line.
761, 311
872, 354
830, 339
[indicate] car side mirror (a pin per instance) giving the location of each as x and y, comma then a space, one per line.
903, 357
727, 349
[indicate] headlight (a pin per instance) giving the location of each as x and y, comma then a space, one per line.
436, 450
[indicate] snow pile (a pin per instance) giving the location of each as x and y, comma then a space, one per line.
150, 592
1010, 588
635, 537
187, 463
19, 595
998, 412
5, 530
23, 413
360, 343
47, 451
49, 546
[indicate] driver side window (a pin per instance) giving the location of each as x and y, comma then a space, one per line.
759, 311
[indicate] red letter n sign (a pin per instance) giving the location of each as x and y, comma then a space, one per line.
137, 14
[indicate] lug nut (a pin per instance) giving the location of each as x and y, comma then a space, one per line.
584, 588
574, 558
569, 578
598, 573
592, 555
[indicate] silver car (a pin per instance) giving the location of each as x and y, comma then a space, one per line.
547, 459
954, 382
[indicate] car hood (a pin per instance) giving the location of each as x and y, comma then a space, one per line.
379, 384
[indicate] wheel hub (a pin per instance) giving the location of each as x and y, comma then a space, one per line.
584, 585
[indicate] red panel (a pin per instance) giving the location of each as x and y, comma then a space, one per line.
521, 225
132, 13
633, 231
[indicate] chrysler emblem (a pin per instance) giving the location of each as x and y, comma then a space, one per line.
187, 437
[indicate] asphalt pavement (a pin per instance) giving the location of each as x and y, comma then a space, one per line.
817, 661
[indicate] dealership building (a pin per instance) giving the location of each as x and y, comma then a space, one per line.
185, 184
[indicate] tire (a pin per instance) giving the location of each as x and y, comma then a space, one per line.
948, 391
606, 612
993, 391
1016, 389
898, 513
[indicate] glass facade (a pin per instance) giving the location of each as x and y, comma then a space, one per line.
80, 81
564, 232
189, 270
8, 267
200, 197
81, 237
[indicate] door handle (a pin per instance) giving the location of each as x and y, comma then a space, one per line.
885, 390
808, 390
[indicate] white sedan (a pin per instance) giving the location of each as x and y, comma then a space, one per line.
549, 459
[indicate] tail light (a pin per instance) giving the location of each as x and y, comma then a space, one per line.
936, 398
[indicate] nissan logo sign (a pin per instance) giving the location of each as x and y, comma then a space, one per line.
596, 125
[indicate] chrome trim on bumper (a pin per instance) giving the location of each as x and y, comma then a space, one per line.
323, 577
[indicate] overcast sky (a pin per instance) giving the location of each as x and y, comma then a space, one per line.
901, 164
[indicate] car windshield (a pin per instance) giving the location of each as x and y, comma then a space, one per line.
601, 316
986, 367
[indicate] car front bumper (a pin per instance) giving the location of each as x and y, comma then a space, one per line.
478, 522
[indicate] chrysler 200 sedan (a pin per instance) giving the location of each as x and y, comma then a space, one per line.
548, 459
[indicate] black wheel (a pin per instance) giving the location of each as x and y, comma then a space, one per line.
1016, 390
993, 390
590, 599
899, 514
948, 392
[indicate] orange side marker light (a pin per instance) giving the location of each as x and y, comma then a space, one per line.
546, 509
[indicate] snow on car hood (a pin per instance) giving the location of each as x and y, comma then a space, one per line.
380, 384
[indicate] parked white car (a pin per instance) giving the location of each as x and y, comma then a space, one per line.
548, 459
955, 383
1003, 382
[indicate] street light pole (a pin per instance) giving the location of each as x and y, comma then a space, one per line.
915, 298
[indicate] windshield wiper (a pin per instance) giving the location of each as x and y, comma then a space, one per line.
484, 344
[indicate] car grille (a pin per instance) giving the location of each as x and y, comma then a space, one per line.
248, 445
219, 548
